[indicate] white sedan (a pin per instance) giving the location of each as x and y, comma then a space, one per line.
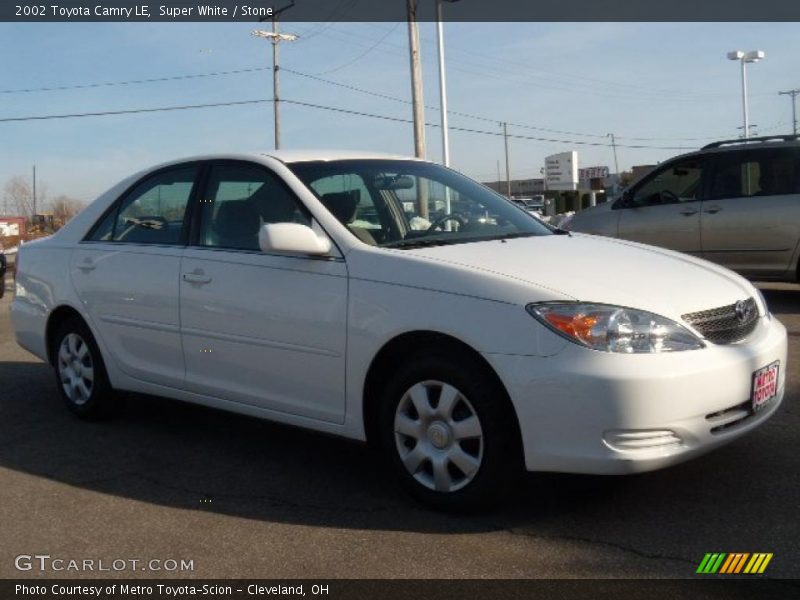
291, 286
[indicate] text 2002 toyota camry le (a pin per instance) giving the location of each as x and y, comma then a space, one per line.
395, 300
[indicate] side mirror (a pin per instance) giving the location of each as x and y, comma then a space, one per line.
292, 238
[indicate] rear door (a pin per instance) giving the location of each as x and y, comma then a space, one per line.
126, 275
664, 209
751, 218
267, 330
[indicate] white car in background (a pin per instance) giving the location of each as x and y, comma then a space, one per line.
291, 287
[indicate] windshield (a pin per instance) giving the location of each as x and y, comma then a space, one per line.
405, 203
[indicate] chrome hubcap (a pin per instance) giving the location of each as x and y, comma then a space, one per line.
75, 368
438, 436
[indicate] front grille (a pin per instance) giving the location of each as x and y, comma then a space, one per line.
723, 325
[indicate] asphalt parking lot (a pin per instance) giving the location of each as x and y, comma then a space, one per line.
245, 498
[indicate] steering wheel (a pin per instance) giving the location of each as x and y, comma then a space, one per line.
442, 220
669, 197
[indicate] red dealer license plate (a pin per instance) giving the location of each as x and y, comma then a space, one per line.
765, 385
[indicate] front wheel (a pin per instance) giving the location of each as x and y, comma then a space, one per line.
80, 372
448, 431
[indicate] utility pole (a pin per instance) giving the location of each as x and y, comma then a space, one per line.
508, 170
276, 38
614, 146
34, 191
417, 101
793, 94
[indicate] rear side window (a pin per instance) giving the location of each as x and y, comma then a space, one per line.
152, 213
760, 173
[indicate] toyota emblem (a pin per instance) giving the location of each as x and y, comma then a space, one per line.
743, 311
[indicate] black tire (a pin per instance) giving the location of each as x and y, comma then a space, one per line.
500, 455
101, 400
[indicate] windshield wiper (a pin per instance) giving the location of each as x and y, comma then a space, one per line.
421, 242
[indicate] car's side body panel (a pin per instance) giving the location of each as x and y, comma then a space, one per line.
292, 338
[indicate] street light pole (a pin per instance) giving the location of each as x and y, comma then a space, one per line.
746, 57
744, 101
442, 83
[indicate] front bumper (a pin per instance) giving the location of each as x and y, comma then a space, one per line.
584, 411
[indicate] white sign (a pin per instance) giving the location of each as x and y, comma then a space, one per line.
7, 229
561, 171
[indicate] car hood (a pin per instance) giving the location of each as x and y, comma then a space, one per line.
597, 269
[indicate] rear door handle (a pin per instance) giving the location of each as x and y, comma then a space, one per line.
688, 212
713, 210
196, 278
87, 266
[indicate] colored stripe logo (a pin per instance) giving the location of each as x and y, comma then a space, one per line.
734, 563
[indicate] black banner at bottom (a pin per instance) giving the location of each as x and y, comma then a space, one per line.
417, 589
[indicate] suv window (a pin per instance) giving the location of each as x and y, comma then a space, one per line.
152, 213
679, 182
756, 173
238, 200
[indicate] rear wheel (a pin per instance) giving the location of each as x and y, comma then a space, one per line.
448, 431
80, 372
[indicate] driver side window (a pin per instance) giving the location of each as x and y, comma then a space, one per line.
679, 182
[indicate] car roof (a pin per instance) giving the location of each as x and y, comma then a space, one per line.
755, 143
293, 156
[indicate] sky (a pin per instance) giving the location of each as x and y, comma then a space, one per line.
666, 86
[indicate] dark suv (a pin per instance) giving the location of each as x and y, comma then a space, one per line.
736, 203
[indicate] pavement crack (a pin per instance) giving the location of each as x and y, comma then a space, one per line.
608, 544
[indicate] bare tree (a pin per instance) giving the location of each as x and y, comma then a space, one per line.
18, 196
64, 208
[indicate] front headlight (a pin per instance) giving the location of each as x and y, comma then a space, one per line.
614, 328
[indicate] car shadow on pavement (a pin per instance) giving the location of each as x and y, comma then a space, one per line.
178, 455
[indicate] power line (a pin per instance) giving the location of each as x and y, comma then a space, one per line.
316, 78
484, 118
362, 55
132, 81
130, 111
335, 83
317, 106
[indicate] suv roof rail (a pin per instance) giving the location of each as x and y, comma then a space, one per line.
765, 138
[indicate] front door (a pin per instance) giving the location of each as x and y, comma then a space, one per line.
664, 209
260, 329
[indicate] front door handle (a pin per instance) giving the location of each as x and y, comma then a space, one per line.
713, 210
196, 277
688, 212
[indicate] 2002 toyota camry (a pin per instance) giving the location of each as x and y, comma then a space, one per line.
398, 301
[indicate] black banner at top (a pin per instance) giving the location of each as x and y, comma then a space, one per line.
396, 10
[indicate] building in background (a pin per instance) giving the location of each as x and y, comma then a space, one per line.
593, 178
